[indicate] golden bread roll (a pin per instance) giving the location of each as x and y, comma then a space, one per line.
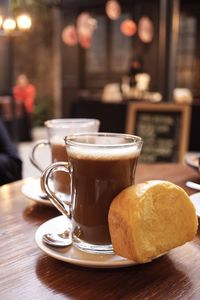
150, 218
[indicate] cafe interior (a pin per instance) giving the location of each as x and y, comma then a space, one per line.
100, 101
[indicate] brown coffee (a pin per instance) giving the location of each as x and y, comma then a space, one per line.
96, 181
61, 179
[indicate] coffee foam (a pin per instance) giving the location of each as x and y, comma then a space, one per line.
103, 153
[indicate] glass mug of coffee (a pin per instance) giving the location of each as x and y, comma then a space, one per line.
57, 130
100, 166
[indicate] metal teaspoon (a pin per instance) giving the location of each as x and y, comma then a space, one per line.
58, 239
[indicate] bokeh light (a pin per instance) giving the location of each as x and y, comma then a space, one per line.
69, 35
1, 21
128, 27
9, 24
86, 25
24, 22
113, 9
145, 29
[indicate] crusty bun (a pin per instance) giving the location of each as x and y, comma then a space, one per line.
150, 218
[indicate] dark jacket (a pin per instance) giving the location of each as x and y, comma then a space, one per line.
10, 163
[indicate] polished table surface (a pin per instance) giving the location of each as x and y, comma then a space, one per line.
28, 273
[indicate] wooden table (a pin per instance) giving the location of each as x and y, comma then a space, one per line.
28, 273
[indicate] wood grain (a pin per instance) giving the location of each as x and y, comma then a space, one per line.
27, 273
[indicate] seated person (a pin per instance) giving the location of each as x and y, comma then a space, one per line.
24, 94
10, 163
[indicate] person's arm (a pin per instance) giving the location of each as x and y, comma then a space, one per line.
10, 163
17, 93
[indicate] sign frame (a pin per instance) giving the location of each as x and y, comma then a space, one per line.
185, 115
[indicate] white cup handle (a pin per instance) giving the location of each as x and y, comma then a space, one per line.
32, 157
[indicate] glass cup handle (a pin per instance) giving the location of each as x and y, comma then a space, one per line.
62, 206
32, 157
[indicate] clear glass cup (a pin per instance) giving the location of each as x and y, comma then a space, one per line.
57, 130
100, 166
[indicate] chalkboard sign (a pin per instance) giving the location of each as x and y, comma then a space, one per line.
164, 128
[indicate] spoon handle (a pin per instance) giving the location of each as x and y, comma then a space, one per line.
193, 185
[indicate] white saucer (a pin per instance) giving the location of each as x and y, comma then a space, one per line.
195, 198
32, 190
191, 158
73, 255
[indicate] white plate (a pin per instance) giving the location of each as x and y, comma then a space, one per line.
191, 158
73, 255
32, 190
195, 198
